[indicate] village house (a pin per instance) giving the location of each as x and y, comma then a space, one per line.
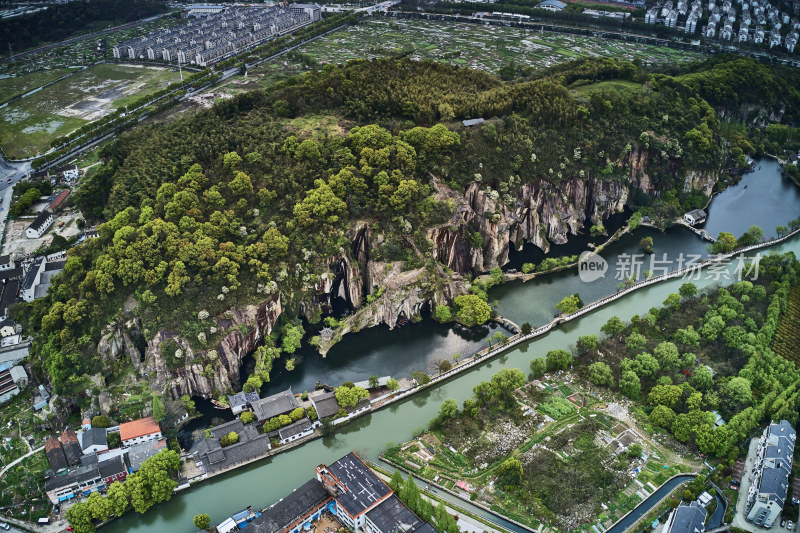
282, 403
296, 430
695, 216
55, 455
139, 453
58, 201
242, 401
214, 457
138, 431
12, 379
90, 477
6, 263
72, 448
94, 440
40, 225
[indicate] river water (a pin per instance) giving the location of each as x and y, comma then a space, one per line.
777, 201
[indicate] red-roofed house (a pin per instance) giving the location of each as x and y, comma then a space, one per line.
58, 200
142, 430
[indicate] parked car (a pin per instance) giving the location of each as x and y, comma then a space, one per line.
783, 523
790, 525
56, 508
4, 526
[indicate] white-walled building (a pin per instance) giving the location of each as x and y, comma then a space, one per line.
772, 467
40, 224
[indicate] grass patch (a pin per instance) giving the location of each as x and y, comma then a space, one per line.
606, 85
17, 85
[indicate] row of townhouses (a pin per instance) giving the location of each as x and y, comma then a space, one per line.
218, 35
756, 21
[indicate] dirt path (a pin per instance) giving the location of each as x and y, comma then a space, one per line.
19, 459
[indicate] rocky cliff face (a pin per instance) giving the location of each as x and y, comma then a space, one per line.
542, 214
242, 331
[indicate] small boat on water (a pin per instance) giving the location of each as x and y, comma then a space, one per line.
218, 405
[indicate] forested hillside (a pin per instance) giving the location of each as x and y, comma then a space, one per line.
354, 174
60, 21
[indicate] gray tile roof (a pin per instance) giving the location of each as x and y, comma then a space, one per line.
93, 437
686, 519
326, 405
30, 275
223, 429
277, 404
242, 398
300, 503
295, 428
111, 467
12, 273
40, 219
76, 475
55, 454
214, 456
392, 515
139, 453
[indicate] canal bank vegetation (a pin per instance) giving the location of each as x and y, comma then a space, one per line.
699, 374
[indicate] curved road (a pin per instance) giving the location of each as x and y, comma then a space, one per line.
19, 459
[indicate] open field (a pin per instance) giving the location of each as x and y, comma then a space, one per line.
13, 86
28, 125
603, 85
482, 47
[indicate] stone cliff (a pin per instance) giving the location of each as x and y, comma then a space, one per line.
379, 292
196, 372
542, 214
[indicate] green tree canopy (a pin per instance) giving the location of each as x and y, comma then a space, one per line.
472, 310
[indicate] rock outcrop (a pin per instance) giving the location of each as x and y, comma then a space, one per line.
202, 372
478, 237
542, 214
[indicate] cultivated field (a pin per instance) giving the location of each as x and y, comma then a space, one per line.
483, 47
28, 125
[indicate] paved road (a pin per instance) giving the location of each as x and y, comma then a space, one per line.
18, 459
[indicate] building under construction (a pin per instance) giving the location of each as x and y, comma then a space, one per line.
219, 34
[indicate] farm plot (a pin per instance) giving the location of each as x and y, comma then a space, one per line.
28, 125
562, 457
482, 47
787, 334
